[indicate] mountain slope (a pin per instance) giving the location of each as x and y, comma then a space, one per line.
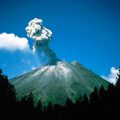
57, 82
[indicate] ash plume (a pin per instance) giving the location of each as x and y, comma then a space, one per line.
41, 37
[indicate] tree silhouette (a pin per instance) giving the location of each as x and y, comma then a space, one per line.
0, 71
38, 109
7, 92
118, 79
102, 93
85, 102
117, 92
30, 102
39, 106
94, 96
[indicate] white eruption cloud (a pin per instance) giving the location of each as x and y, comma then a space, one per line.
112, 77
36, 31
41, 35
11, 42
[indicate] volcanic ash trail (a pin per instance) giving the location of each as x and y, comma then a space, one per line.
42, 37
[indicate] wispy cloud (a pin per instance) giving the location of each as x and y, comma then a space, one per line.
26, 61
112, 76
33, 67
24, 72
11, 42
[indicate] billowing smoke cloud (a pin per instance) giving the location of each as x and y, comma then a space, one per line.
42, 36
36, 31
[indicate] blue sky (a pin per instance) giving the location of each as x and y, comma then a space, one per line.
87, 31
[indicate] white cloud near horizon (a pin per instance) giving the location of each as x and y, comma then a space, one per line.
33, 67
11, 42
112, 76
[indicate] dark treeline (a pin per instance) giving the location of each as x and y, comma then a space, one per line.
100, 104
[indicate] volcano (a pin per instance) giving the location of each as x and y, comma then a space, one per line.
56, 83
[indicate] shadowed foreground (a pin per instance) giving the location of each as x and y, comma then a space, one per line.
100, 104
